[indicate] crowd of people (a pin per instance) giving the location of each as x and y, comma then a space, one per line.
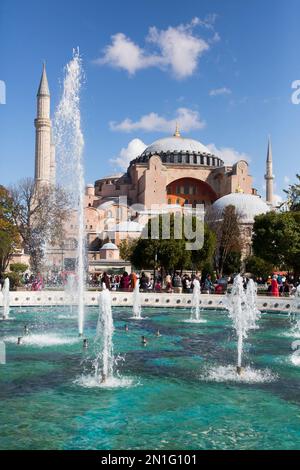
281, 285
275, 285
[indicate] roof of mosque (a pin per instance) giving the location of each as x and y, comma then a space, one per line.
109, 246
247, 206
176, 144
180, 150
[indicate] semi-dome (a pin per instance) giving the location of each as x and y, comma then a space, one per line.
180, 151
248, 206
109, 246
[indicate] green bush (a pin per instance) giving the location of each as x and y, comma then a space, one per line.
14, 280
19, 268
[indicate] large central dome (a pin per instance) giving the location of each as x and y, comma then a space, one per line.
180, 151
176, 144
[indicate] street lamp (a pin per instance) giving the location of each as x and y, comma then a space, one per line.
154, 270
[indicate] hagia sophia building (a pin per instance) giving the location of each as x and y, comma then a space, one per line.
170, 173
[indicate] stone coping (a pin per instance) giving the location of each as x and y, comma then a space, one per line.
123, 299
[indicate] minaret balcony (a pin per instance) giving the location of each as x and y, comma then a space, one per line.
42, 122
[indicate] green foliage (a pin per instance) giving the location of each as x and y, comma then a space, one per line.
172, 254
9, 236
126, 248
293, 193
19, 268
232, 263
276, 239
14, 280
258, 267
208, 269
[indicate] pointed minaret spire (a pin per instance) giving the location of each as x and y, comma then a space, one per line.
269, 177
44, 87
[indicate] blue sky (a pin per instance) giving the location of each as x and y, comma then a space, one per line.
223, 69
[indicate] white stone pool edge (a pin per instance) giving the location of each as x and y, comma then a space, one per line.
123, 299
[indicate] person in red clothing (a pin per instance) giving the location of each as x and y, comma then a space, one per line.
274, 287
125, 281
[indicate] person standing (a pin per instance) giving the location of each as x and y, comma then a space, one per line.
274, 287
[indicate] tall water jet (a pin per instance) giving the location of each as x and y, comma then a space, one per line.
242, 313
137, 304
69, 144
104, 362
295, 306
70, 289
251, 296
6, 300
195, 311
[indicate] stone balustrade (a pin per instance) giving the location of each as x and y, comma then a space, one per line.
151, 299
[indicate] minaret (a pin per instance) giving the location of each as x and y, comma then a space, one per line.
269, 177
43, 133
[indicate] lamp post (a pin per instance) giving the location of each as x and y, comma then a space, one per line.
154, 270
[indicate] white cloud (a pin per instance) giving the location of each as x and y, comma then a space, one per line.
186, 118
228, 154
176, 48
133, 150
220, 91
179, 48
286, 179
125, 54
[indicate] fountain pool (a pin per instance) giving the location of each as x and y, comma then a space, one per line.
180, 392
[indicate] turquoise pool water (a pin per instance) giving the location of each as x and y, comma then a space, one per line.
183, 394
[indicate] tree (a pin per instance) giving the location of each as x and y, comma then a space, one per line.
9, 236
39, 215
232, 263
19, 268
126, 248
276, 239
171, 254
229, 243
258, 267
293, 193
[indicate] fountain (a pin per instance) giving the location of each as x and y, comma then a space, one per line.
137, 307
243, 312
251, 297
195, 310
69, 144
294, 307
70, 289
5, 294
104, 361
